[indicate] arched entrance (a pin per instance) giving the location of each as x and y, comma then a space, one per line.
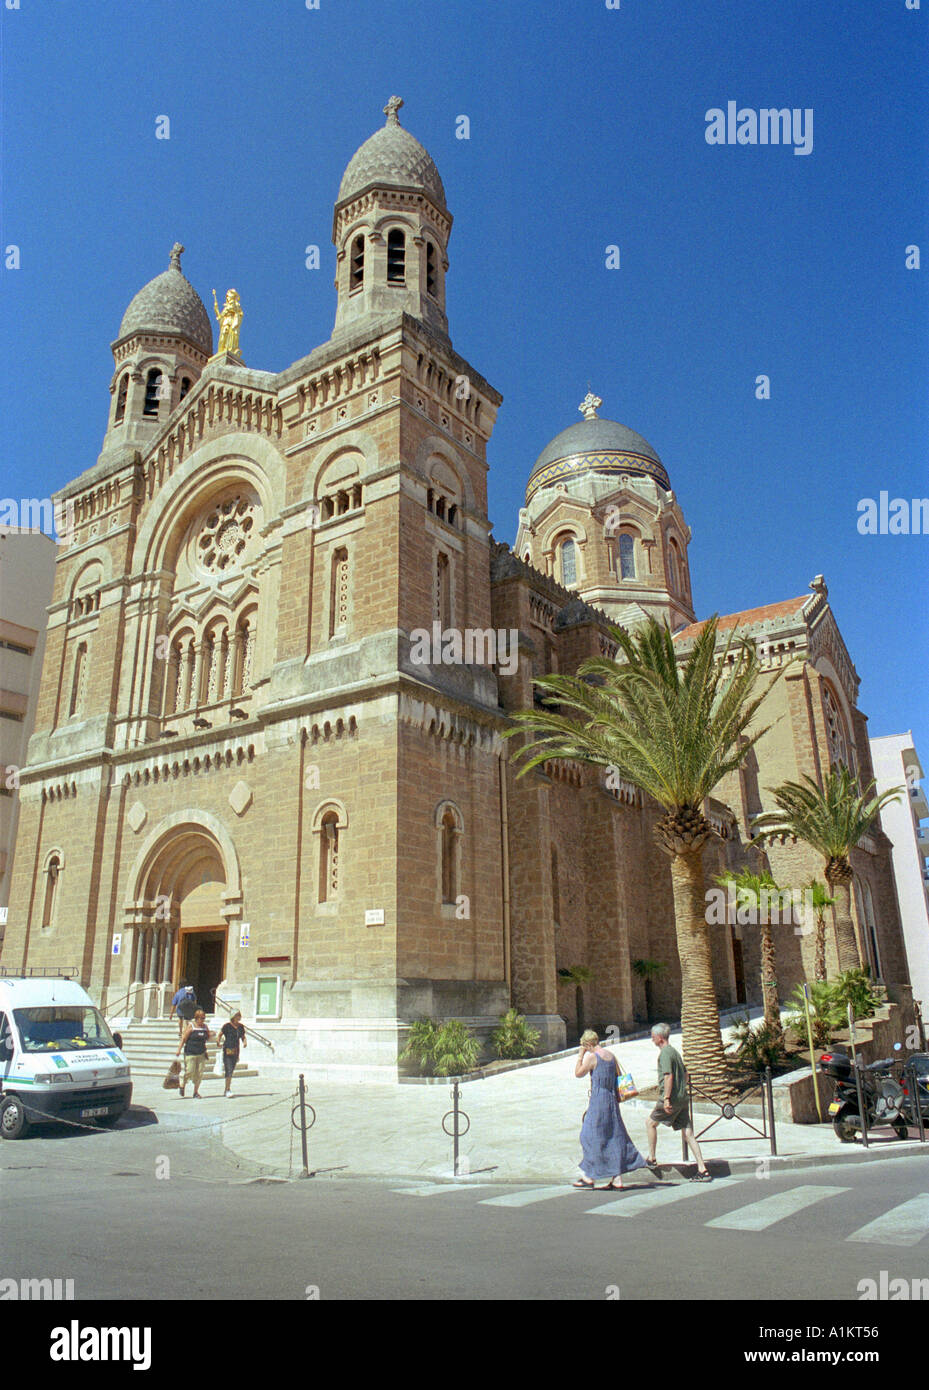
179, 917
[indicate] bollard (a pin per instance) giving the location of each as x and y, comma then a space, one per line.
769, 1095
455, 1096
917, 1108
456, 1131
862, 1112
306, 1162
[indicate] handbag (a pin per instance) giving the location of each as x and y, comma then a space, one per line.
172, 1080
625, 1086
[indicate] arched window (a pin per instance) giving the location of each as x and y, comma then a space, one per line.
568, 563
626, 556
871, 929
432, 281
153, 392
396, 257
339, 589
244, 653
185, 387
357, 271
121, 395
449, 857
329, 857
442, 611
672, 568
52, 873
78, 680
839, 751
180, 679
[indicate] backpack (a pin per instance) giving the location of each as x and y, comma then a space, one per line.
188, 1005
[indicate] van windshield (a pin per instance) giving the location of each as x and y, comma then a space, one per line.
62, 1028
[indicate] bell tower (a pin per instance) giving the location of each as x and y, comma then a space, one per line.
391, 229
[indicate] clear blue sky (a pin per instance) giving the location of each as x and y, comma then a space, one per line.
587, 129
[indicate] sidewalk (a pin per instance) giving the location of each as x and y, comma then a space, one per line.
524, 1127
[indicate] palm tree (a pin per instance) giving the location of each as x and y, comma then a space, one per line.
578, 976
819, 900
832, 819
755, 892
647, 971
674, 730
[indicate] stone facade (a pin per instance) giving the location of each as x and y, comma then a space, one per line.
246, 770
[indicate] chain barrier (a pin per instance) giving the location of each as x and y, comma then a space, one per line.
186, 1129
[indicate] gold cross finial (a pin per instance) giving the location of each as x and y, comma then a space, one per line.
589, 406
391, 109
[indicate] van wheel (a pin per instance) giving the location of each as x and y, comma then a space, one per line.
13, 1122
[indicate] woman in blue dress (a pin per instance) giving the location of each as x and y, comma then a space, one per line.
608, 1150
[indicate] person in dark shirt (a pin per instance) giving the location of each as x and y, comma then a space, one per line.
194, 1040
231, 1035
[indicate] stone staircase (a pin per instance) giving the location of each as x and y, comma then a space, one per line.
150, 1045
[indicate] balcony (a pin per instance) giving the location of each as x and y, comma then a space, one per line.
918, 803
922, 840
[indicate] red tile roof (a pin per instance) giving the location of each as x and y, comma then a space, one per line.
784, 609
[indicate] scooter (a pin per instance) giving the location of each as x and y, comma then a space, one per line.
885, 1101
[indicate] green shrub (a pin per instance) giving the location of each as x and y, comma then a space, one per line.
854, 987
514, 1038
454, 1050
827, 1014
420, 1045
758, 1047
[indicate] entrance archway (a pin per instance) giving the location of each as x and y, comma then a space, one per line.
183, 890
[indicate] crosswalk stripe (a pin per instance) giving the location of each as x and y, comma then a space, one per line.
758, 1216
659, 1195
440, 1189
525, 1199
903, 1225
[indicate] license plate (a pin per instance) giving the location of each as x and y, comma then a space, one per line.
98, 1110
834, 1108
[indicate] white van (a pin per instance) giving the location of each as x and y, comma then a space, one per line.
58, 1058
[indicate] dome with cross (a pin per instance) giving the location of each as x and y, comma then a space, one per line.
594, 445
394, 158
170, 304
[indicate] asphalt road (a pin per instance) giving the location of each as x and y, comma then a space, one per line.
115, 1211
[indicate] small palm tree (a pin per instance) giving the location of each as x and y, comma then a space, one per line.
819, 900
756, 892
648, 971
675, 729
832, 819
579, 976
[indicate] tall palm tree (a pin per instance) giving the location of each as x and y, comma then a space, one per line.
757, 893
819, 900
832, 819
674, 729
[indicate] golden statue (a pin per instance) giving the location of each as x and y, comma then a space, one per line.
230, 319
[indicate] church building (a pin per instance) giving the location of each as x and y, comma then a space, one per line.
250, 770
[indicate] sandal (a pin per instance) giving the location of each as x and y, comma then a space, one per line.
581, 1183
616, 1186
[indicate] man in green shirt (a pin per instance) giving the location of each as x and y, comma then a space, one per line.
673, 1107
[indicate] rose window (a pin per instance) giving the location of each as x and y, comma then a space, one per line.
225, 534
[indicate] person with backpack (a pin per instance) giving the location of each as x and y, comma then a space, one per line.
194, 1040
185, 1003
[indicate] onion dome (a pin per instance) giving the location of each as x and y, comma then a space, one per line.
391, 158
595, 446
170, 304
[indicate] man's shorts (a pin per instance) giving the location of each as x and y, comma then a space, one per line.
679, 1117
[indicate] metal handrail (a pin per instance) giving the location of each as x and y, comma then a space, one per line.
112, 1011
250, 1031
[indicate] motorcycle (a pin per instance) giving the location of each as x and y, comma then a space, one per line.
885, 1100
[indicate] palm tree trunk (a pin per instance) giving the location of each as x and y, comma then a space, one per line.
703, 1047
772, 1012
840, 881
819, 961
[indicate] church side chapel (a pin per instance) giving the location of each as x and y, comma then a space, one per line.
240, 774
